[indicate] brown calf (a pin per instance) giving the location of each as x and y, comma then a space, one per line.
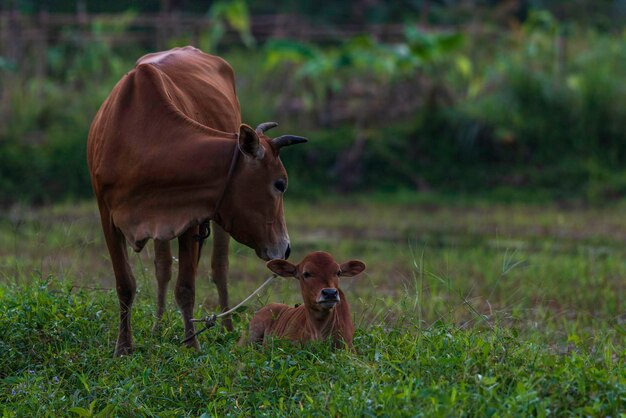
325, 313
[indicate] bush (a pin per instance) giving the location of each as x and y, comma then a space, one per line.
43, 146
540, 107
556, 121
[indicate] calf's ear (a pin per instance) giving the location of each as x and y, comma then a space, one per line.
351, 268
282, 267
248, 142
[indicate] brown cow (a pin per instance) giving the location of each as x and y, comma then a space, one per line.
325, 313
164, 158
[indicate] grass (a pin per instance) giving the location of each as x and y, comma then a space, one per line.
467, 309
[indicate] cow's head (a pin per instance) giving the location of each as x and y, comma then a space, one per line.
252, 211
318, 275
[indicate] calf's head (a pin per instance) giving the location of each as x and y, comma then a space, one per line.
252, 211
318, 275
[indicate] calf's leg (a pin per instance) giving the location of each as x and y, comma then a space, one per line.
262, 322
219, 270
163, 273
185, 291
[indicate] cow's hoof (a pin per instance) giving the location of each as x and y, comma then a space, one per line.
193, 345
156, 328
227, 323
123, 349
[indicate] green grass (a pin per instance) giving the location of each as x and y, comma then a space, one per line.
465, 309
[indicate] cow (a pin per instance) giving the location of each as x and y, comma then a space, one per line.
167, 153
325, 313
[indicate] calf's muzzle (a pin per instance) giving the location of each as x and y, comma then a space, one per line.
329, 297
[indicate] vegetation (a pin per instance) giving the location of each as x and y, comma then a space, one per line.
469, 306
45, 121
535, 111
464, 309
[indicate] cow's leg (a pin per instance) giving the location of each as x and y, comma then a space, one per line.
124, 281
163, 272
219, 270
185, 291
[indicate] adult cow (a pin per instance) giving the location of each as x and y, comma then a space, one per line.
164, 158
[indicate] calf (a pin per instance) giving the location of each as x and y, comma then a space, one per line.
325, 313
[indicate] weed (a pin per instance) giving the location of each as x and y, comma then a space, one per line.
464, 310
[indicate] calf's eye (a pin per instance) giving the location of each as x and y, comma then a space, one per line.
280, 185
306, 274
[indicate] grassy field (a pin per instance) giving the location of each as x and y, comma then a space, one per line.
465, 309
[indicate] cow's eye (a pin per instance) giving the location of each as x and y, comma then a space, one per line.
280, 185
306, 274
338, 272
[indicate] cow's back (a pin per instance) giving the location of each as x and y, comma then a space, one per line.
161, 142
202, 86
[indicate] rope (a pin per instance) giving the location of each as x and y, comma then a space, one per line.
210, 320
205, 227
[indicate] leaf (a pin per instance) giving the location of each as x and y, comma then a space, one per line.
447, 43
464, 65
619, 328
236, 14
83, 380
488, 380
106, 411
81, 412
241, 309
280, 51
573, 338
360, 41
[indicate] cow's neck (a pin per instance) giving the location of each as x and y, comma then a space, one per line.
324, 324
232, 166
219, 166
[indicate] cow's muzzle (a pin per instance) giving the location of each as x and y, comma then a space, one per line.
288, 251
275, 253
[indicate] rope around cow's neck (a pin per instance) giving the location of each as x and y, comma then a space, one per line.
205, 227
210, 320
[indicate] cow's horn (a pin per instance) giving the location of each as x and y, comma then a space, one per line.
265, 126
286, 140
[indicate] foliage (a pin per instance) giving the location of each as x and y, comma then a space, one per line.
557, 109
601, 14
234, 13
322, 73
530, 117
540, 110
42, 147
538, 107
479, 315
64, 365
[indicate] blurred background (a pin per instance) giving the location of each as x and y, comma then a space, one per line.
512, 100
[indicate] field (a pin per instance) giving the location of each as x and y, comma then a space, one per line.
466, 308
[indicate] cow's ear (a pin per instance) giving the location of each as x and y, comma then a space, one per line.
249, 142
351, 268
282, 267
